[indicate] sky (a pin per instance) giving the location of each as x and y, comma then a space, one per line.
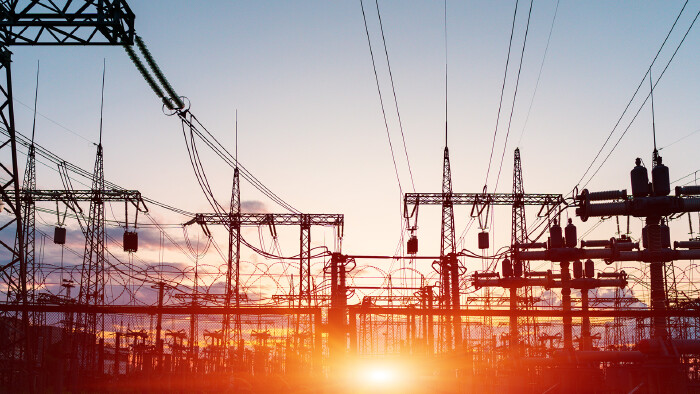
310, 123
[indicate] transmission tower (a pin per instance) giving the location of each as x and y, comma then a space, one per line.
519, 229
449, 270
66, 22
21, 283
29, 219
234, 258
92, 278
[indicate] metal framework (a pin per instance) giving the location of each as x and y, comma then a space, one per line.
274, 219
413, 200
303, 220
519, 227
234, 260
68, 22
518, 236
34, 22
449, 270
449, 265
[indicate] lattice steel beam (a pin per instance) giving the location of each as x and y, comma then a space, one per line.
86, 22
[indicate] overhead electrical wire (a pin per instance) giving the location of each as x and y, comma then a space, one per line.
680, 139
515, 95
645, 99
503, 87
177, 104
396, 101
56, 160
685, 176
381, 100
539, 74
634, 95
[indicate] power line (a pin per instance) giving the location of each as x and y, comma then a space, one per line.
645, 100
629, 103
539, 74
515, 95
56, 160
685, 176
381, 101
396, 102
503, 87
680, 139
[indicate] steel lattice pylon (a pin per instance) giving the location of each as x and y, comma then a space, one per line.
449, 272
35, 22
234, 260
519, 236
519, 228
92, 278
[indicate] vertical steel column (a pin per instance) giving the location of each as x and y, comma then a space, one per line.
336, 313
656, 271
429, 316
305, 262
92, 273
117, 350
566, 304
318, 342
16, 278
585, 343
519, 232
454, 283
514, 340
233, 264
159, 326
447, 246
353, 331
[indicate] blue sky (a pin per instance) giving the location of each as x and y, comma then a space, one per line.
310, 123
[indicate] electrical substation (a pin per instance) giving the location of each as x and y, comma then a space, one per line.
556, 310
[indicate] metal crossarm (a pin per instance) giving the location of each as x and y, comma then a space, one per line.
87, 22
411, 199
258, 219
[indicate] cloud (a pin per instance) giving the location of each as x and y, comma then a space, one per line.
253, 206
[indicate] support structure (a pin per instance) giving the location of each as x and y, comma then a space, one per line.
303, 220
34, 22
233, 263
337, 314
90, 326
449, 265
649, 200
449, 269
518, 236
234, 222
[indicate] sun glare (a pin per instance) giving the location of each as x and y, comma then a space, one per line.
381, 375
